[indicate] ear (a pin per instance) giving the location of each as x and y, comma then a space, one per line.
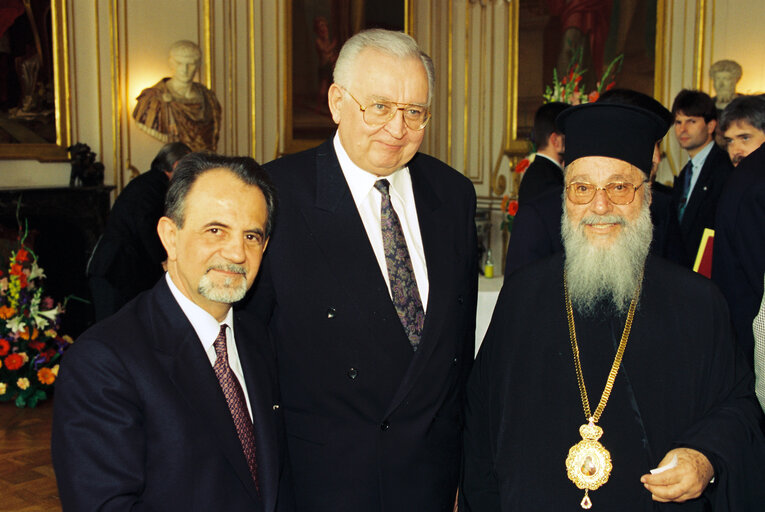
711, 127
168, 232
556, 141
335, 97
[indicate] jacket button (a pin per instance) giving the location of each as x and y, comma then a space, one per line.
460, 300
384, 425
331, 312
454, 361
352, 373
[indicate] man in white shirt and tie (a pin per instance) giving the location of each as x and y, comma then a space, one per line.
369, 288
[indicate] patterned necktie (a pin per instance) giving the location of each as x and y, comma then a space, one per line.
688, 170
403, 286
236, 403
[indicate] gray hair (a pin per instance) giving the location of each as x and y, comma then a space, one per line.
726, 66
396, 44
185, 46
193, 165
744, 108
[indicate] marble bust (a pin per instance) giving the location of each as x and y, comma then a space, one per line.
725, 74
177, 109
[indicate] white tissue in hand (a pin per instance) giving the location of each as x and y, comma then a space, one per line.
662, 469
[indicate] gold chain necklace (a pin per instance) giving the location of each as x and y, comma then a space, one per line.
588, 463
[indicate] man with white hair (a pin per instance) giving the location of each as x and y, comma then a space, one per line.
677, 395
369, 287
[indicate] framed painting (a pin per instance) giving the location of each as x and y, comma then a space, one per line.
316, 31
551, 34
34, 93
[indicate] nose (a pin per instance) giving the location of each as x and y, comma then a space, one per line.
396, 126
233, 250
600, 203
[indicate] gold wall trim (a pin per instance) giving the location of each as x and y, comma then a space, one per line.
449, 85
207, 21
698, 61
252, 75
99, 90
658, 74
466, 90
114, 73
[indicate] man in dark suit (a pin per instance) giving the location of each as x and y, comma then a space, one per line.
370, 292
172, 403
738, 259
698, 187
128, 258
546, 171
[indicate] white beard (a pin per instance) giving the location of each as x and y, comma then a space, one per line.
232, 290
605, 275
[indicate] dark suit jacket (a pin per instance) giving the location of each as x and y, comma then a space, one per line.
541, 176
738, 260
371, 424
129, 255
702, 205
140, 421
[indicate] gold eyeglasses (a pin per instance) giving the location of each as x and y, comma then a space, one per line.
618, 192
380, 112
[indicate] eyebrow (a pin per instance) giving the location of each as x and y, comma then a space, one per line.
383, 98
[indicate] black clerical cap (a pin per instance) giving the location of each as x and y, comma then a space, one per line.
625, 132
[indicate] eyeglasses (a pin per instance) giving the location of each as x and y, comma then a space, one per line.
618, 193
380, 112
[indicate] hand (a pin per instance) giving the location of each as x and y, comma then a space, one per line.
684, 482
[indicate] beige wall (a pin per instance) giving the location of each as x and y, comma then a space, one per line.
118, 47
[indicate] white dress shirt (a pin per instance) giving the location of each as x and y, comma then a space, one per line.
368, 200
207, 329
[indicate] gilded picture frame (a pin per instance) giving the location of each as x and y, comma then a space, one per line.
531, 32
57, 46
315, 32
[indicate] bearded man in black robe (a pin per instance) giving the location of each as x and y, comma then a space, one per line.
681, 397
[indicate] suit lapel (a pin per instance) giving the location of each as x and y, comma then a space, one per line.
435, 243
258, 372
191, 372
341, 237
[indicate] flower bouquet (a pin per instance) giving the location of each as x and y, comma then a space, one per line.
567, 89
30, 345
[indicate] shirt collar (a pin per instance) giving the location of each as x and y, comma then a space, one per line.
702, 155
204, 324
361, 182
550, 159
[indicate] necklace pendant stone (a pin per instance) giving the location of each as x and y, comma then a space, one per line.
586, 502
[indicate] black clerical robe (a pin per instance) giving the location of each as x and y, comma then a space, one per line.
682, 383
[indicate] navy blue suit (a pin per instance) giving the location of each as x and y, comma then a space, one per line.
371, 424
141, 424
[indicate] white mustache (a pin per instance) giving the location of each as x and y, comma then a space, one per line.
227, 267
602, 219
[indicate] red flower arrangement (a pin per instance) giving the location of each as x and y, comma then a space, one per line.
510, 209
30, 345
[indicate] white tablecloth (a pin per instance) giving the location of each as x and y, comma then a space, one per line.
488, 292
